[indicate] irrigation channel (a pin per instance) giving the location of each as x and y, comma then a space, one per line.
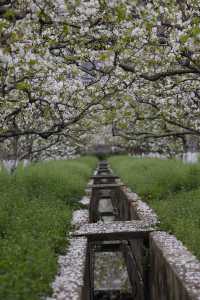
116, 252
112, 269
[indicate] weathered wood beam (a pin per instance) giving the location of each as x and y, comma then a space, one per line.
116, 230
106, 176
108, 247
105, 185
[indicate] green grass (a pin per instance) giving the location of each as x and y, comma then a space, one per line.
172, 188
36, 204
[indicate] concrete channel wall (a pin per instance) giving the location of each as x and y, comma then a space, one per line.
174, 273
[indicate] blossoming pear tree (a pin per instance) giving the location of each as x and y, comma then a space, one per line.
135, 64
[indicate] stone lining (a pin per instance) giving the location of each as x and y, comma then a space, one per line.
140, 208
88, 190
85, 201
89, 185
80, 217
69, 283
181, 267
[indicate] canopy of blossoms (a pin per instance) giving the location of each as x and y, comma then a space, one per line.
69, 67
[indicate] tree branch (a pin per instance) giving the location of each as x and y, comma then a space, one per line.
160, 75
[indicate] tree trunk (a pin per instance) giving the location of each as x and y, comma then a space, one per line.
191, 149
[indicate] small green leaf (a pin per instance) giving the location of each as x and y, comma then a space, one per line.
120, 12
195, 31
23, 86
66, 29
9, 14
196, 20
184, 38
103, 56
32, 62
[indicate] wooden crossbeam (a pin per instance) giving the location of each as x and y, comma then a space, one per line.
103, 166
108, 247
105, 185
106, 176
104, 172
112, 294
107, 171
135, 277
103, 215
116, 230
106, 213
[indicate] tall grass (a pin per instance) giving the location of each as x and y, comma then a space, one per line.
35, 212
172, 188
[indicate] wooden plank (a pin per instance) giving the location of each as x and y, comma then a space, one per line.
108, 247
116, 230
104, 172
112, 294
103, 166
104, 179
134, 274
106, 176
106, 213
91, 270
106, 185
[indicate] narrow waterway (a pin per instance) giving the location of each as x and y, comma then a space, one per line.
110, 273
